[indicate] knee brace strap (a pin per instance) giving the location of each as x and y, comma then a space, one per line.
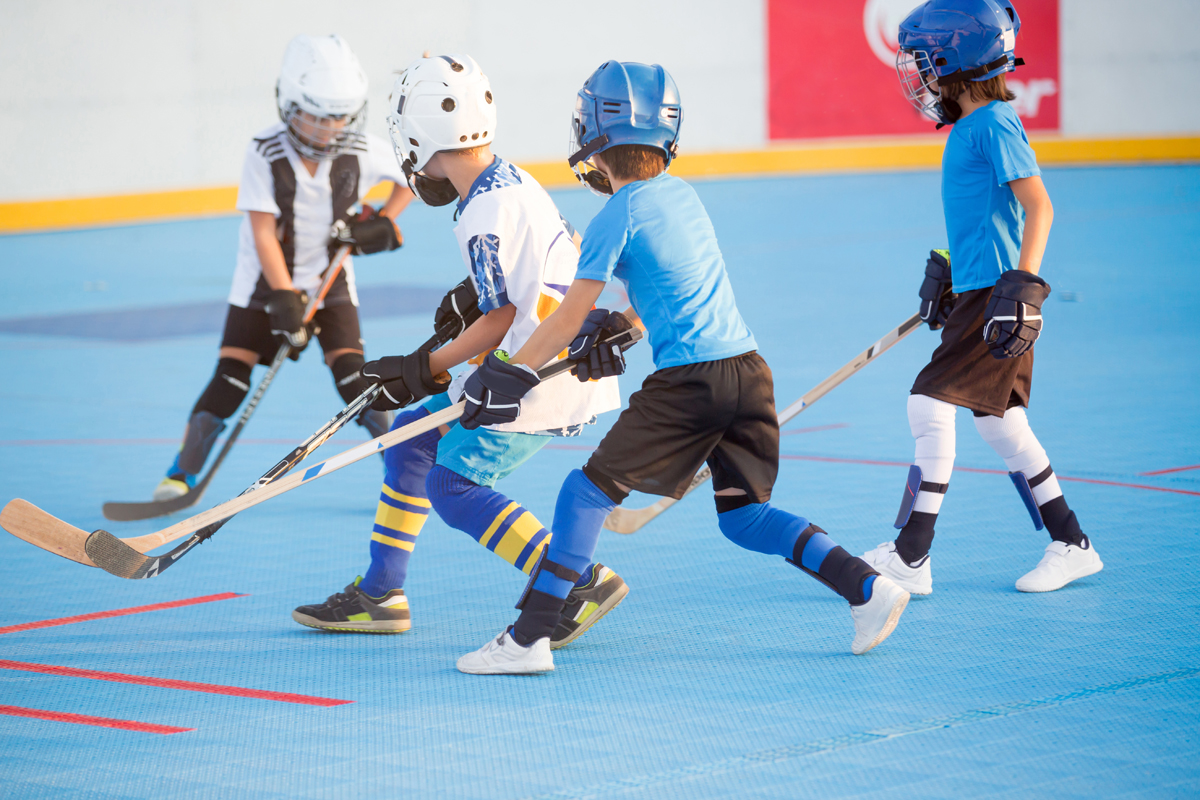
797, 559
228, 388
346, 376
834, 567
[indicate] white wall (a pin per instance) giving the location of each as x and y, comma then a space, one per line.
1130, 66
118, 96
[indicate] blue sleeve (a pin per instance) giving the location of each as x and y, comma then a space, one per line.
1008, 150
487, 272
604, 241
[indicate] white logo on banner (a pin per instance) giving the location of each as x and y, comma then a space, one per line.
1030, 93
881, 24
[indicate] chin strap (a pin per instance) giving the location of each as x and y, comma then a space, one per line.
432, 191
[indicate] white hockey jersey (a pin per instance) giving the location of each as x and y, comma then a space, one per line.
520, 252
305, 206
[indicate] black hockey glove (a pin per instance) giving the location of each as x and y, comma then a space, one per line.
366, 235
459, 308
598, 360
493, 392
937, 299
1013, 318
405, 379
286, 307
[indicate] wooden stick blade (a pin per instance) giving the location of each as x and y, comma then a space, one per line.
26, 521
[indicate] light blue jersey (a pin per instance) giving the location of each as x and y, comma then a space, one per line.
656, 238
986, 149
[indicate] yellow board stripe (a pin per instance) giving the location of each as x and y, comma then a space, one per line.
399, 520
517, 536
496, 523
836, 155
403, 498
388, 540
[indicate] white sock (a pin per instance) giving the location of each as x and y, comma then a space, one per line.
932, 424
1013, 440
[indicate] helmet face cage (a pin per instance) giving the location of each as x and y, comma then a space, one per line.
914, 68
320, 138
585, 170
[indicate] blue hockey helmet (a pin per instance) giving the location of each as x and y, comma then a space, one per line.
623, 103
951, 41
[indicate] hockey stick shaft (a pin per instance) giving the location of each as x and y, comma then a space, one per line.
335, 269
124, 557
126, 512
630, 520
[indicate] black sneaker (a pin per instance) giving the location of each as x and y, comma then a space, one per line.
353, 611
587, 604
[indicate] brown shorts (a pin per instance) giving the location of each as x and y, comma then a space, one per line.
963, 373
722, 412
251, 330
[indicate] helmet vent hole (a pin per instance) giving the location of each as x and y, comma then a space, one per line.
474, 136
487, 96
448, 104
940, 62
412, 157
671, 113
485, 134
414, 142
462, 138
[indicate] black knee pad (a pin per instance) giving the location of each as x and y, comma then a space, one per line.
605, 484
346, 376
228, 388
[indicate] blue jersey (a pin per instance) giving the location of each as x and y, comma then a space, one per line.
656, 238
986, 149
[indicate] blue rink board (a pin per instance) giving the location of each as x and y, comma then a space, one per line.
725, 673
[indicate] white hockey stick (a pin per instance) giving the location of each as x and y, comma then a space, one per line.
26, 521
630, 520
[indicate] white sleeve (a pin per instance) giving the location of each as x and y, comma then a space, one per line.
380, 165
256, 191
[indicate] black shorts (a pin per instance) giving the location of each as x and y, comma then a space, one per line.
251, 330
963, 373
722, 412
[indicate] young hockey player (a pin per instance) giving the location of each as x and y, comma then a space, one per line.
985, 290
522, 258
711, 398
300, 176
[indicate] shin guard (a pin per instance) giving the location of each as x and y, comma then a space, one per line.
203, 429
912, 490
818, 555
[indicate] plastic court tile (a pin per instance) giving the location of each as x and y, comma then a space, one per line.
725, 673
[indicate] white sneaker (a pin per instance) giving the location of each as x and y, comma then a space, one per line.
1061, 564
915, 580
503, 656
875, 619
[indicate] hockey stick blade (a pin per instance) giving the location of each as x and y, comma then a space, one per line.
125, 557
630, 520
131, 512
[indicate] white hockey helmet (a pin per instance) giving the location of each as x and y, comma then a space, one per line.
322, 96
439, 103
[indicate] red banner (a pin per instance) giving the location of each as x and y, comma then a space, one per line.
831, 68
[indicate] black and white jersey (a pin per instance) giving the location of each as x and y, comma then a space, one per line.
304, 206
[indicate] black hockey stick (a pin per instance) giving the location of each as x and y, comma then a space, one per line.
119, 558
129, 512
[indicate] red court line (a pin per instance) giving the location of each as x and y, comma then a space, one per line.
120, 612
81, 719
814, 429
987, 472
1169, 471
167, 683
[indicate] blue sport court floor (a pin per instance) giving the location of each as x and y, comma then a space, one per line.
725, 673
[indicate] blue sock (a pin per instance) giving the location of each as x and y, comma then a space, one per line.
762, 528
403, 507
496, 522
578, 517
765, 529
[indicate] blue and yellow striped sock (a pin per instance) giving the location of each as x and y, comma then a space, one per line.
403, 508
496, 522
